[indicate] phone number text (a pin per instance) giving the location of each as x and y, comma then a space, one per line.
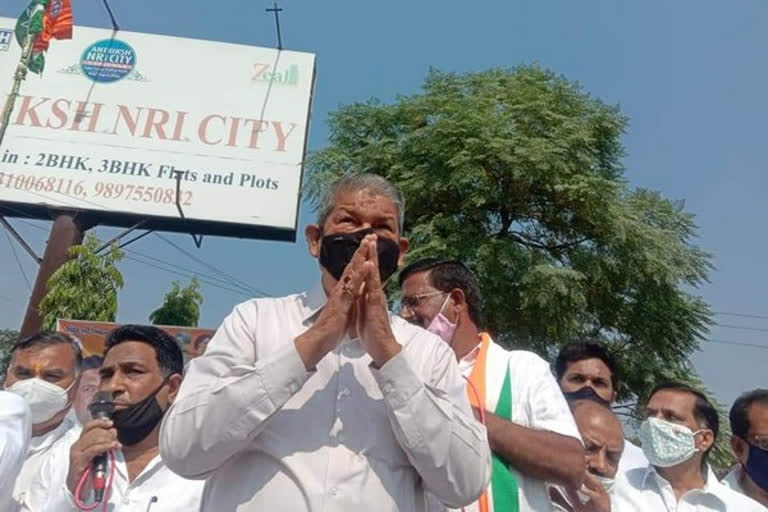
89, 189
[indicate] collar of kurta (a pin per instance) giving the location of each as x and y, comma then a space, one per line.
40, 443
709, 483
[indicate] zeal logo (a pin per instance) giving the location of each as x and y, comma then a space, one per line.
282, 76
6, 37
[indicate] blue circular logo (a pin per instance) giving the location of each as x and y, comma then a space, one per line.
108, 61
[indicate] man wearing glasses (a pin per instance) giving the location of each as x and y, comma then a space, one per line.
531, 431
749, 425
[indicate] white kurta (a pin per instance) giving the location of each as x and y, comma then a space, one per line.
155, 489
537, 403
269, 435
731, 480
644, 490
15, 430
39, 448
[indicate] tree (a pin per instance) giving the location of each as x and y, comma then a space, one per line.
7, 338
85, 287
519, 174
181, 306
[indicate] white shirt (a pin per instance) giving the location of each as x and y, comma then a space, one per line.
269, 435
644, 490
632, 457
39, 448
537, 403
731, 480
155, 489
15, 431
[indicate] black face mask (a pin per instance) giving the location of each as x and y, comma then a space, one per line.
135, 422
336, 251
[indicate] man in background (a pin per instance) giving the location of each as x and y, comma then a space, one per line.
44, 371
589, 365
142, 369
749, 426
200, 344
680, 430
87, 386
531, 432
603, 439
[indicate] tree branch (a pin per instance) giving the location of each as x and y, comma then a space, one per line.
529, 241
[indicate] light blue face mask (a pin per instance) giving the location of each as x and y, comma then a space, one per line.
667, 444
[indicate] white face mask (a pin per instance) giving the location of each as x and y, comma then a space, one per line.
667, 444
608, 483
45, 399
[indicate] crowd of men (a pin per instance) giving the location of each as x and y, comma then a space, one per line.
325, 400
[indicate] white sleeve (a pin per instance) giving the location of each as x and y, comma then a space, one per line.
431, 418
15, 430
48, 489
227, 397
546, 405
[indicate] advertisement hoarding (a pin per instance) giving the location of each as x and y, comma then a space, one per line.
192, 340
189, 135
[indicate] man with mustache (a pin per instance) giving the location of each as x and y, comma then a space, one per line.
324, 400
44, 371
677, 436
531, 432
142, 369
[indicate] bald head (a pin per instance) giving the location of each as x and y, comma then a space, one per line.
602, 434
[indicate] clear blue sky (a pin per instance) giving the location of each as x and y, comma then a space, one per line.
691, 75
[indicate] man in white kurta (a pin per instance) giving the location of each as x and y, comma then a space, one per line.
323, 400
749, 441
680, 430
44, 371
531, 431
142, 366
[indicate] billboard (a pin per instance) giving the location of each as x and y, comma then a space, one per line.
192, 340
190, 135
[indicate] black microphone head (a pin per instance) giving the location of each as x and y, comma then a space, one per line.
102, 405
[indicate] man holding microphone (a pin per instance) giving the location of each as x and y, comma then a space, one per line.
142, 371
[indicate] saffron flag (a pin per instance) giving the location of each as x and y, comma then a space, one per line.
43, 20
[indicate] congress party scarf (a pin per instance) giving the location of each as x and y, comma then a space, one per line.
489, 388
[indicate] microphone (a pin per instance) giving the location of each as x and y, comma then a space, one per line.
101, 408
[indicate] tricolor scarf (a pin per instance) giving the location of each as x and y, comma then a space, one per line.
490, 389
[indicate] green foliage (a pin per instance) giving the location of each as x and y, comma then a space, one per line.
85, 287
7, 338
181, 306
519, 174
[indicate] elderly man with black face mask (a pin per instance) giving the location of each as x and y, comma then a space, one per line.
324, 400
139, 378
44, 371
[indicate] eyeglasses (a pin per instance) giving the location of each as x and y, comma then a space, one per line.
415, 301
760, 441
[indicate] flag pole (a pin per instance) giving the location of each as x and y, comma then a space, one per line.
19, 76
